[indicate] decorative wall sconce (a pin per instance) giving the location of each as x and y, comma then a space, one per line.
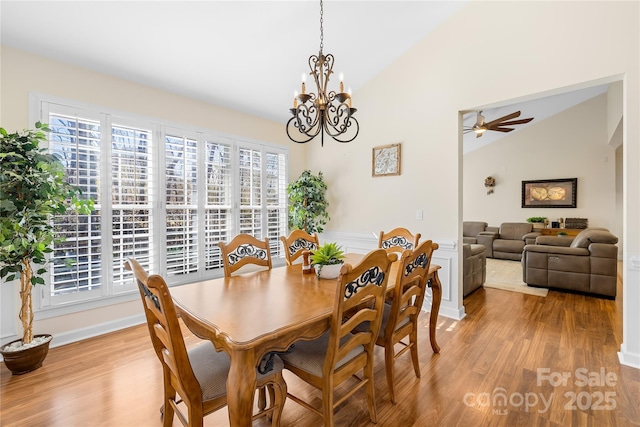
489, 182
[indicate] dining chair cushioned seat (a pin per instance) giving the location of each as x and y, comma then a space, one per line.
385, 319
211, 369
310, 355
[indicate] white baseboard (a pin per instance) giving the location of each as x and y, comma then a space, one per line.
94, 331
628, 359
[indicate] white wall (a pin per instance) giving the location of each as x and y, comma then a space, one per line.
571, 144
490, 53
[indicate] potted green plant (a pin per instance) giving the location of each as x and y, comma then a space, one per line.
33, 189
308, 203
328, 260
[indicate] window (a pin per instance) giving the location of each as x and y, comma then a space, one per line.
163, 195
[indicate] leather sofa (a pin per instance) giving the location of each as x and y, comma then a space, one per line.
509, 241
587, 263
471, 229
474, 267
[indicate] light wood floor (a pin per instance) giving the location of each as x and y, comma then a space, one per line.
115, 380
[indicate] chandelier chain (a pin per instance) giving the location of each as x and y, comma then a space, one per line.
321, 30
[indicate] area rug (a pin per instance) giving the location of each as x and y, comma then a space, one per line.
507, 275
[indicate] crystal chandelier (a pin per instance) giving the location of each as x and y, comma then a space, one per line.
322, 112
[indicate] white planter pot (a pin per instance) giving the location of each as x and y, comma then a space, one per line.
328, 271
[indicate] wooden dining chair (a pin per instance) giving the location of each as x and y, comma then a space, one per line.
242, 250
400, 316
196, 377
341, 352
398, 240
298, 242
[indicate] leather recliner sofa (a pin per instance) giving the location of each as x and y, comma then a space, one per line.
474, 266
588, 263
471, 229
509, 241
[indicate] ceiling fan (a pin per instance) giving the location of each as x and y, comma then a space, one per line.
497, 125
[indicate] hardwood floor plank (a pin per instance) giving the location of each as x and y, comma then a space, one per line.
501, 345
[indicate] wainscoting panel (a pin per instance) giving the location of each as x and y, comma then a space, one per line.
446, 256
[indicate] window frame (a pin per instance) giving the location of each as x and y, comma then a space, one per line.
40, 106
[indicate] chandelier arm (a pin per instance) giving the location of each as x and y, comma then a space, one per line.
338, 118
355, 126
291, 124
306, 117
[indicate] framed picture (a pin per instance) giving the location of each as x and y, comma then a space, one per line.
550, 193
385, 160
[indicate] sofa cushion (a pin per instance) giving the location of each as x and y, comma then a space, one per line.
514, 230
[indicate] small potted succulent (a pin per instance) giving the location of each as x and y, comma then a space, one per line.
328, 260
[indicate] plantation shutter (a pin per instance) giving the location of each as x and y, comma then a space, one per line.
76, 260
132, 196
181, 192
219, 201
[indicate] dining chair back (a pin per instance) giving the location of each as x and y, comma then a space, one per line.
398, 240
296, 243
242, 250
400, 316
196, 376
342, 352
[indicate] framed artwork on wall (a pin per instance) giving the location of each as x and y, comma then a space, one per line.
385, 160
550, 193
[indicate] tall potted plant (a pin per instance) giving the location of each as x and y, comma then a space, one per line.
308, 203
33, 189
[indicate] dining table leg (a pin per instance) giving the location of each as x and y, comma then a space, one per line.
436, 299
241, 386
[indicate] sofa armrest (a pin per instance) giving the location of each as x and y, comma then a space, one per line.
486, 239
554, 241
603, 250
492, 229
493, 234
530, 238
558, 250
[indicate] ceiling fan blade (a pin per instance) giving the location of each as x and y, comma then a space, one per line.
502, 119
516, 122
478, 135
499, 129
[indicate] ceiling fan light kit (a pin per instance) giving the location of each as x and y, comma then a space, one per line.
322, 112
498, 125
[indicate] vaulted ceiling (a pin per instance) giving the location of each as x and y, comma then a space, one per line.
244, 55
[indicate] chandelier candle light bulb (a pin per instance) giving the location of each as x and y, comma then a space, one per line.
304, 80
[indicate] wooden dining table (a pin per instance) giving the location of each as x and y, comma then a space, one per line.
251, 314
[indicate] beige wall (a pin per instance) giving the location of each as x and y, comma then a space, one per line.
489, 54
23, 73
571, 144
